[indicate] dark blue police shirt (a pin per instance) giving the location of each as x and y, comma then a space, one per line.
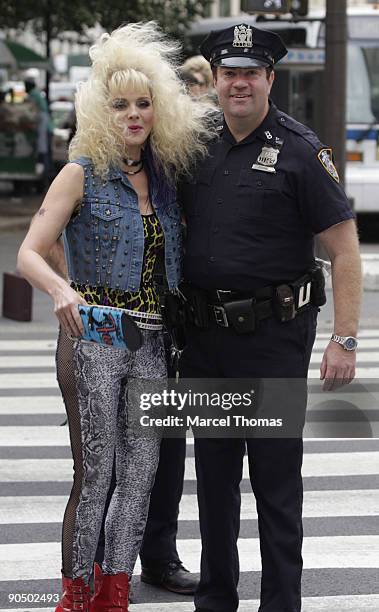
249, 228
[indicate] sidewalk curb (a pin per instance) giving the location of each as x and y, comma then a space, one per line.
15, 224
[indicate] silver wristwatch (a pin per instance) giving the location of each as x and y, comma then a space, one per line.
349, 343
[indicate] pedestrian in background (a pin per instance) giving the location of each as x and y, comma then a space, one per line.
137, 130
198, 66
45, 127
190, 81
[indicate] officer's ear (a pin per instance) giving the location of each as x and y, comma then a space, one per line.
270, 77
214, 73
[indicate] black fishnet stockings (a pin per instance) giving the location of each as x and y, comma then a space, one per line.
67, 385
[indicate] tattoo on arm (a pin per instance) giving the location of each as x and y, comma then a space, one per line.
41, 212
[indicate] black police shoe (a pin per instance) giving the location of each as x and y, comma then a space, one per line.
172, 577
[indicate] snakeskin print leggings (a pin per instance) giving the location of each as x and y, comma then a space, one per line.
100, 387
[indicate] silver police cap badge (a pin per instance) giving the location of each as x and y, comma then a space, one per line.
266, 159
243, 36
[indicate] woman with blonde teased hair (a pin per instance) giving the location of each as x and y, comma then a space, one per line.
115, 203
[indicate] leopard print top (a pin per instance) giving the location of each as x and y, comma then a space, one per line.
144, 300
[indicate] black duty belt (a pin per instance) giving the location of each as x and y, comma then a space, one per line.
244, 310
219, 296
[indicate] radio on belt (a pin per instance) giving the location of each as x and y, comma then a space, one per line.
284, 303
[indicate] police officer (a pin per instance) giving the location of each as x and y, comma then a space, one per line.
253, 208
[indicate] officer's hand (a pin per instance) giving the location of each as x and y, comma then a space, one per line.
337, 367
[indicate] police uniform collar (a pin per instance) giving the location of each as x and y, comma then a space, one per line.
259, 132
268, 124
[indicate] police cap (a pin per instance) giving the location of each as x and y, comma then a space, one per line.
242, 46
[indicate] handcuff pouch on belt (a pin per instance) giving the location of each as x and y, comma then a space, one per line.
241, 315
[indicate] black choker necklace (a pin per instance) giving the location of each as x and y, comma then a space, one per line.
135, 164
131, 162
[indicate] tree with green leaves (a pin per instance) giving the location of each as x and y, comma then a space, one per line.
51, 18
58, 16
174, 16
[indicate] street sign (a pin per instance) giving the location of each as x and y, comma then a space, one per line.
265, 6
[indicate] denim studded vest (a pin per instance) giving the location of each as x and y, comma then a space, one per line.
104, 243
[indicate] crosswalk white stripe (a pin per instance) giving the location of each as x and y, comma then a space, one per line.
362, 357
14, 346
48, 361
338, 429
29, 380
17, 354
27, 361
336, 603
320, 344
58, 436
314, 464
35, 436
50, 508
369, 338
366, 400
47, 380
371, 332
362, 373
351, 603
35, 561
21, 360
52, 404
38, 361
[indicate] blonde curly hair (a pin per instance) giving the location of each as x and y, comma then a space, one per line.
139, 55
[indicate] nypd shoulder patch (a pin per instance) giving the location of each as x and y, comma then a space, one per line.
325, 156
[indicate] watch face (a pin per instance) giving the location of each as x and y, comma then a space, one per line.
350, 344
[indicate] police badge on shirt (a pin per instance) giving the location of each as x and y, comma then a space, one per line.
325, 156
268, 157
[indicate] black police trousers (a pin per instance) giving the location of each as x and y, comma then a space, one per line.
275, 350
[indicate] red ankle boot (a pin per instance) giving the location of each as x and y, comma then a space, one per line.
75, 596
111, 592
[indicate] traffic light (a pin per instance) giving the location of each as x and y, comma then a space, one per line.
265, 6
296, 7
299, 7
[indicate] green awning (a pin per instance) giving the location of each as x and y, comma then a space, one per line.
13, 55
